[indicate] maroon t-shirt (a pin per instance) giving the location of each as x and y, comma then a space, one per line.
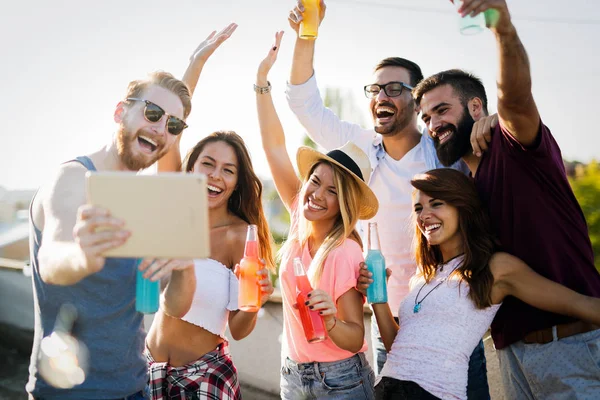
537, 218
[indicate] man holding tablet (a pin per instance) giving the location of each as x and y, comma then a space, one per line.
69, 266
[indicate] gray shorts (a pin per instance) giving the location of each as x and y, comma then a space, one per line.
568, 368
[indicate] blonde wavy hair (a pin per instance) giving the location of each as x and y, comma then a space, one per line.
348, 193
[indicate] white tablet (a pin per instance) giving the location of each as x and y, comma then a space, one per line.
167, 214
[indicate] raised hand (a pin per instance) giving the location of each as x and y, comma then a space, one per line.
266, 64
208, 46
295, 16
500, 22
156, 269
96, 231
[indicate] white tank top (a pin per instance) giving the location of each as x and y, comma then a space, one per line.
216, 294
433, 346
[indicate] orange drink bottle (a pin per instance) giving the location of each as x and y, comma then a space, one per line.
312, 321
309, 26
249, 290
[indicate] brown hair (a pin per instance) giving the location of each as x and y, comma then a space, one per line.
464, 84
166, 81
413, 69
247, 202
479, 243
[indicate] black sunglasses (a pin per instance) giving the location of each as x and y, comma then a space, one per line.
391, 89
153, 113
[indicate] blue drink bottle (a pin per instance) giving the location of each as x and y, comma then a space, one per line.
147, 293
377, 291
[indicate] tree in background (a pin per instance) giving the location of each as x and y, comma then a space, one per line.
586, 185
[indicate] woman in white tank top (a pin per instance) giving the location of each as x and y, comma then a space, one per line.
460, 284
187, 354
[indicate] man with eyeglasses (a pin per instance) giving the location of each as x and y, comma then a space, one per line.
397, 151
68, 266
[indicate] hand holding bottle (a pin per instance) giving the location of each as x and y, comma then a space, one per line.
365, 278
264, 281
322, 302
299, 13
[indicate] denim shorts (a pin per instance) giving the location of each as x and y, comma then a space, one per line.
352, 379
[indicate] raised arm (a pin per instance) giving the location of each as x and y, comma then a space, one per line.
72, 241
304, 50
513, 277
321, 124
171, 162
517, 110
271, 131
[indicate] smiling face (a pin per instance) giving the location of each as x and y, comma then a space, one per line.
449, 123
320, 200
141, 143
219, 163
437, 220
391, 115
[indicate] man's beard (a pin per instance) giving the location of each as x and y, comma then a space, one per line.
125, 143
401, 122
459, 144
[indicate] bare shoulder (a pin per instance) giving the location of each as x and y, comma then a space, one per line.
64, 191
236, 232
503, 264
236, 239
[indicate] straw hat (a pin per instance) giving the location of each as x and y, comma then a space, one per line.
352, 159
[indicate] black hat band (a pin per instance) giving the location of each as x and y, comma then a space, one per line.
346, 161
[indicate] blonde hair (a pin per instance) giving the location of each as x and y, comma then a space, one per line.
166, 81
348, 194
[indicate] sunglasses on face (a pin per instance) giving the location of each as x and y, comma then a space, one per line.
153, 113
391, 89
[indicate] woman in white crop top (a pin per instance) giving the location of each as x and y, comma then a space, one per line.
460, 284
192, 348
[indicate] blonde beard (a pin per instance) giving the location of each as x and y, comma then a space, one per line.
125, 141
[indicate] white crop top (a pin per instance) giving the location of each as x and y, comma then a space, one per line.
433, 345
216, 294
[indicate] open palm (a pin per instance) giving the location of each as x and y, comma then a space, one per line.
267, 63
212, 42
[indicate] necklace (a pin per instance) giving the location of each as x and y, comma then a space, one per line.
417, 306
443, 264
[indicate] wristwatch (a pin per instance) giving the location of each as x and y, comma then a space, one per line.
262, 89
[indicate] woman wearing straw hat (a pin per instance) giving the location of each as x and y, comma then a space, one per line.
324, 205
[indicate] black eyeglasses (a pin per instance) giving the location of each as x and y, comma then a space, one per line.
391, 89
153, 113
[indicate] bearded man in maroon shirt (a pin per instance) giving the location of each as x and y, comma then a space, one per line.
522, 180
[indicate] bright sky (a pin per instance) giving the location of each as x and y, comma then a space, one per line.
65, 65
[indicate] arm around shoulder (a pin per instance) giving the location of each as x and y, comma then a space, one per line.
512, 277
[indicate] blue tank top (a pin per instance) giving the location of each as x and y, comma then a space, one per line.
108, 324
